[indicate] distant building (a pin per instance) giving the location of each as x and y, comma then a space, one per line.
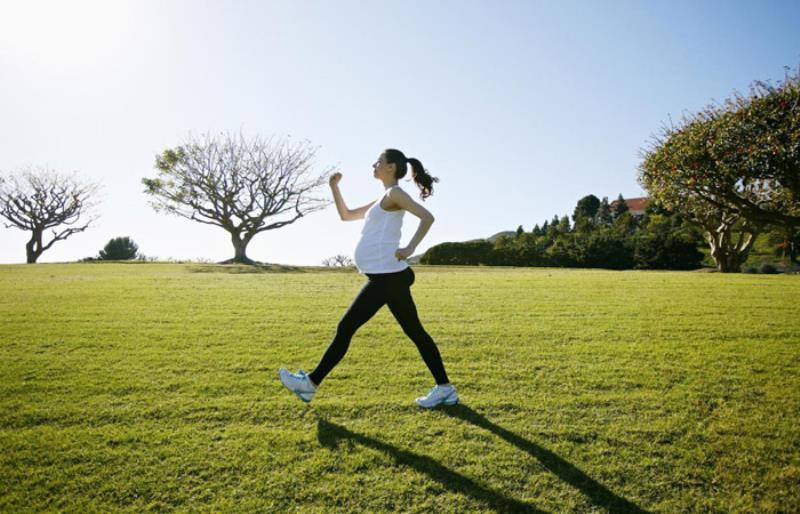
636, 206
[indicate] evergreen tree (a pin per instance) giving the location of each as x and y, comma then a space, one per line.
584, 213
603, 215
563, 225
119, 249
553, 229
586, 208
620, 207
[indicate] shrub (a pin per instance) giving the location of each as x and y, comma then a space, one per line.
119, 249
470, 252
768, 269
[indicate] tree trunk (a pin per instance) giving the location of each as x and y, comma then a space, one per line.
730, 264
240, 250
792, 246
33, 248
727, 254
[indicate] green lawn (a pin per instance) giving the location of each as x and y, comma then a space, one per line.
147, 386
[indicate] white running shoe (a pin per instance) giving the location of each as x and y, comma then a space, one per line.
439, 394
298, 383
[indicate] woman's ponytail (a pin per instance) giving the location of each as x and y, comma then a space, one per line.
421, 176
423, 179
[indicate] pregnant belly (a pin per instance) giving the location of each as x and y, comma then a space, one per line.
375, 252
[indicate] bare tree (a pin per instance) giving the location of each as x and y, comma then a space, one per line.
337, 260
236, 183
37, 199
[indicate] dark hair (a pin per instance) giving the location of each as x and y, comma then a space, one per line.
421, 176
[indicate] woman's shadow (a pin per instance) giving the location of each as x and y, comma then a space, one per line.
330, 435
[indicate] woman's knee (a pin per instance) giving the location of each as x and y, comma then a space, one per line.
350, 323
413, 328
422, 339
345, 327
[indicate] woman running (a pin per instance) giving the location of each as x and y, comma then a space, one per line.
379, 257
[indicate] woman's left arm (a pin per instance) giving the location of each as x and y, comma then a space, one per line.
404, 200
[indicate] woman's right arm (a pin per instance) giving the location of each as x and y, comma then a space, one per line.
337, 196
344, 213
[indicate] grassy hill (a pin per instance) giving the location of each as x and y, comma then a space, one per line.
130, 387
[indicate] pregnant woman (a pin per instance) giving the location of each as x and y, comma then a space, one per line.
379, 257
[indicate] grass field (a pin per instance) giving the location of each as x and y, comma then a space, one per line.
146, 386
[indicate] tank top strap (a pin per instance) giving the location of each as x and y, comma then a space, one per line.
386, 193
380, 206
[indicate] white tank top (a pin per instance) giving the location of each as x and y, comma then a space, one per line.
380, 237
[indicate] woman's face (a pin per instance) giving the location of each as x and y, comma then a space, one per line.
380, 168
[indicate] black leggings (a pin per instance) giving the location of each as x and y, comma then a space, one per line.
394, 290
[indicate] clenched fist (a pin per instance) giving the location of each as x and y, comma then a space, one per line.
403, 253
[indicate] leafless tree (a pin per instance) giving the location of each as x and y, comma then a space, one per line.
236, 183
36, 199
338, 260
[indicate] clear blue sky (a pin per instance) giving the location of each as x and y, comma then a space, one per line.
520, 108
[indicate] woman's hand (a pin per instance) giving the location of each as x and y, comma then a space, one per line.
335, 178
403, 253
